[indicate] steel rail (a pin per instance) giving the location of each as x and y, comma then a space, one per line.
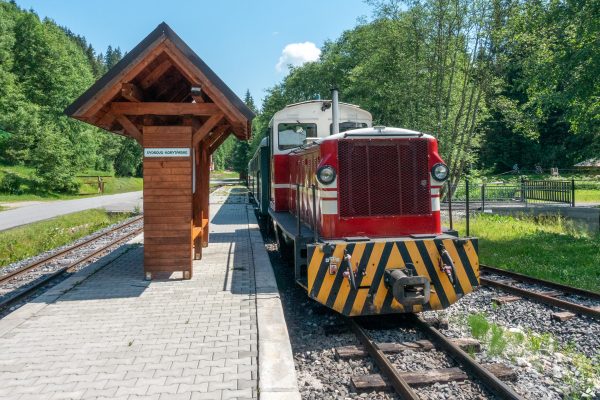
489, 380
384, 364
542, 298
542, 282
19, 294
47, 259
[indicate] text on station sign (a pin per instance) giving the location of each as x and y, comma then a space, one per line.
167, 152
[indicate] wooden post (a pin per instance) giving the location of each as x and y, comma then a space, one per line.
168, 218
205, 171
197, 201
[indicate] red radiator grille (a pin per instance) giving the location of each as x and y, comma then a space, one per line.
379, 177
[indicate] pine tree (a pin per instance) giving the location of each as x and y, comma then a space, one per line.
241, 150
112, 57
250, 102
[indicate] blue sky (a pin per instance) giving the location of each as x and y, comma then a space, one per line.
247, 43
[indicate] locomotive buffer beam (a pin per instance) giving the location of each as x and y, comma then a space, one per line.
407, 290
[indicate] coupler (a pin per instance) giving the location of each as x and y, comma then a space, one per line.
407, 290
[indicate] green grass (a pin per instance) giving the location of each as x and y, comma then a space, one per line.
224, 175
26, 241
112, 185
479, 326
578, 176
543, 247
581, 371
88, 180
587, 196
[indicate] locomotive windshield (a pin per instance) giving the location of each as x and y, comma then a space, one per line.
292, 135
348, 125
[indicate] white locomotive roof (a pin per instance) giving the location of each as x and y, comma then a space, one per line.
321, 109
319, 101
379, 131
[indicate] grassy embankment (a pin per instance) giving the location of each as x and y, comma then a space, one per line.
26, 241
546, 248
587, 196
225, 174
112, 185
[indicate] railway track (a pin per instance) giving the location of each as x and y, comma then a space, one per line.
22, 282
402, 382
511, 285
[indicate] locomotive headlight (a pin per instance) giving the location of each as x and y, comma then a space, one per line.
326, 174
440, 172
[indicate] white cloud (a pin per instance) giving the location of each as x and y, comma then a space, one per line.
297, 54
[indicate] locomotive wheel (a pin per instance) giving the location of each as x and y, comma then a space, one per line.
286, 249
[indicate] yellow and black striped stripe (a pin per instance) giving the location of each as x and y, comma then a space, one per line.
372, 296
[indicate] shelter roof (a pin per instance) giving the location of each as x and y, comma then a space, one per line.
162, 81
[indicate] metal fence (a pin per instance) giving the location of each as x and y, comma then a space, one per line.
467, 196
525, 192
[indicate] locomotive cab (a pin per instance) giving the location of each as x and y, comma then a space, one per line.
359, 213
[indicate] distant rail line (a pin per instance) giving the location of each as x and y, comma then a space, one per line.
551, 298
23, 281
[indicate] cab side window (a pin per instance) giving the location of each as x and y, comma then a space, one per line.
348, 125
292, 135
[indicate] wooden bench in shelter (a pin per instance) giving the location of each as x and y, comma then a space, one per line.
166, 98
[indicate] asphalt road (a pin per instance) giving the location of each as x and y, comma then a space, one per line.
46, 210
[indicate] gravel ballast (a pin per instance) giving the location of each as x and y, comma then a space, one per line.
545, 375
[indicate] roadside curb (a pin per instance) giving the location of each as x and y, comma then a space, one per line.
38, 303
276, 369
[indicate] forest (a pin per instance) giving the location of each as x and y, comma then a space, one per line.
499, 82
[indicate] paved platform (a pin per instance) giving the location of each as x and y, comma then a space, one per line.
106, 333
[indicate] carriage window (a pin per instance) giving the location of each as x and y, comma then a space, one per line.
293, 135
346, 126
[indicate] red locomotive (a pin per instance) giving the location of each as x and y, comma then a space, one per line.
358, 210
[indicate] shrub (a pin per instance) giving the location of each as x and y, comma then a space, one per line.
11, 183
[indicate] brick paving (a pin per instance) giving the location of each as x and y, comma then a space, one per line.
117, 336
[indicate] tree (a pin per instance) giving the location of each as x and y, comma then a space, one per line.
240, 154
55, 168
240, 158
112, 57
43, 68
546, 64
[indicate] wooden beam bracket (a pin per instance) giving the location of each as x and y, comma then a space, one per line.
205, 129
218, 141
130, 128
132, 93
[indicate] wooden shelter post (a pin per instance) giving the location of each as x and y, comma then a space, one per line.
204, 205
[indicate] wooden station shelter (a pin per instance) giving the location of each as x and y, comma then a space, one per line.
165, 97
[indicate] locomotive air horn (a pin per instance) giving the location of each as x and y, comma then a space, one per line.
335, 112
